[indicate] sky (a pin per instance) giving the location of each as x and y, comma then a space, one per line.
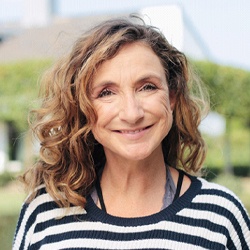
223, 25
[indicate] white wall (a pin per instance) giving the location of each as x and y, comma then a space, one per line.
168, 18
37, 13
177, 27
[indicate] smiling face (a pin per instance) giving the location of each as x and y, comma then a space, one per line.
131, 99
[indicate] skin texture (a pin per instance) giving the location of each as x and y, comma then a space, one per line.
133, 108
134, 114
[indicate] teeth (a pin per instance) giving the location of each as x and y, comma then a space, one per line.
130, 131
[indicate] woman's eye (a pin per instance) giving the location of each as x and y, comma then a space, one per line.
148, 87
105, 92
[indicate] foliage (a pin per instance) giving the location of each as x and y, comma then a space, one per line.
240, 143
229, 92
18, 88
229, 89
5, 178
12, 197
231, 182
7, 230
212, 172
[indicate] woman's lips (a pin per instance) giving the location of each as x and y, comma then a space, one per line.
133, 131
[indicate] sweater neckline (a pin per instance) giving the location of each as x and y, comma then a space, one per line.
97, 214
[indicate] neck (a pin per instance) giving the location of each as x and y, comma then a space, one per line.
140, 184
127, 172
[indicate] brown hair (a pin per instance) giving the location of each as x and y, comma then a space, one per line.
69, 155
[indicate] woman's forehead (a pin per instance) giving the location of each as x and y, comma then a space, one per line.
133, 60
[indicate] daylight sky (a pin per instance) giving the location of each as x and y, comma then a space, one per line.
224, 25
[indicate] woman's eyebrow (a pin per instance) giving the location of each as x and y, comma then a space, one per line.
141, 79
103, 84
149, 77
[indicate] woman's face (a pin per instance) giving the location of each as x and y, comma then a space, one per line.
131, 99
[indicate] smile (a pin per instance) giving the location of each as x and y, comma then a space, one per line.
136, 131
131, 132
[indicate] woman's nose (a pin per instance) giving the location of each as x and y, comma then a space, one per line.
131, 109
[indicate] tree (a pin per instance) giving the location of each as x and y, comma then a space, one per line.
18, 88
229, 92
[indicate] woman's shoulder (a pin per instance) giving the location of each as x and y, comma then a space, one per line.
40, 212
43, 202
39, 199
208, 195
215, 188
219, 197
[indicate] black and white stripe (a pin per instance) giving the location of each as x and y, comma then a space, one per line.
207, 216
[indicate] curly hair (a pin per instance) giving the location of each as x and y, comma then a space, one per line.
69, 154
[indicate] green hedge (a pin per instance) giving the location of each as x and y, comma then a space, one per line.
18, 89
5, 178
212, 172
7, 231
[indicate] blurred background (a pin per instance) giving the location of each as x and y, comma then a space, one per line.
215, 35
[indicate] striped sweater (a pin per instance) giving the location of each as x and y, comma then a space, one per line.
207, 216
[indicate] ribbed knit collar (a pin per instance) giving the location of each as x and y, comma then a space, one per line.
96, 214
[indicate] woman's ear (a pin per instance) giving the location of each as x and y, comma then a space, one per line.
172, 99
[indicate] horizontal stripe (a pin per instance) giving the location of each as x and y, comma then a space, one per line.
205, 217
114, 232
103, 244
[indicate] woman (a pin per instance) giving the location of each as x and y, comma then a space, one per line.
120, 146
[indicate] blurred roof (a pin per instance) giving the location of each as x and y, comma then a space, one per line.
53, 40
45, 42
